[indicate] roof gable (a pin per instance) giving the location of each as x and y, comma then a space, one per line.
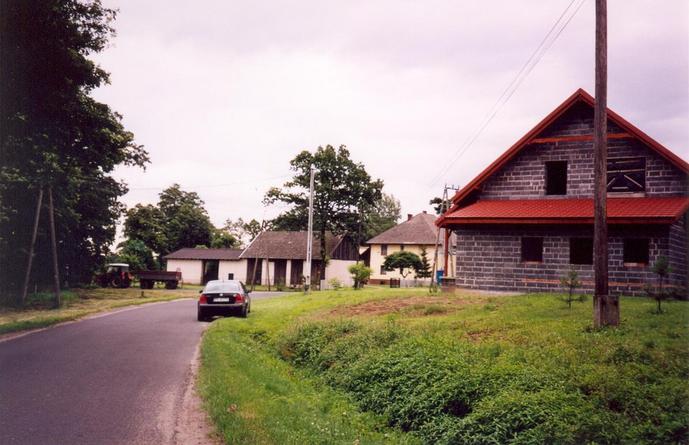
281, 244
578, 98
420, 229
192, 253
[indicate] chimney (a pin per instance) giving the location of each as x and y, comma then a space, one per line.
424, 212
409, 216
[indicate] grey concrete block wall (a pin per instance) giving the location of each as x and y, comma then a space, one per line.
524, 176
490, 258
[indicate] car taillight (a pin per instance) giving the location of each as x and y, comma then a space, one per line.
238, 298
203, 299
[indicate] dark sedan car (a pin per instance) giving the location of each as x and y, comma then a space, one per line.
223, 298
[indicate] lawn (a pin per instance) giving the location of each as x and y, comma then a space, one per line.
402, 366
77, 303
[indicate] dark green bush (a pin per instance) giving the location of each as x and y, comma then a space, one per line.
449, 391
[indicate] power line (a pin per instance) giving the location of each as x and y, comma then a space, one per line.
516, 82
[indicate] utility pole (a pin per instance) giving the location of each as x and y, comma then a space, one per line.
53, 242
309, 235
606, 309
27, 276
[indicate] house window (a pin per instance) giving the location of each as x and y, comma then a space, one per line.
532, 250
384, 249
581, 250
635, 251
401, 247
626, 175
383, 271
556, 178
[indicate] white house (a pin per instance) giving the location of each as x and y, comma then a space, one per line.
199, 266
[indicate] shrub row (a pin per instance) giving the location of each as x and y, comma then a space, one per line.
449, 391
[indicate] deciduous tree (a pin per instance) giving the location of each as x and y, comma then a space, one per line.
342, 189
404, 261
54, 134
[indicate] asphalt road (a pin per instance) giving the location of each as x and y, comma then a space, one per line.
113, 379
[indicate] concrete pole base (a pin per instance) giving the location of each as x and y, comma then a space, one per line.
606, 310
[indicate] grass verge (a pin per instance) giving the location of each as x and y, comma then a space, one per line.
78, 303
448, 369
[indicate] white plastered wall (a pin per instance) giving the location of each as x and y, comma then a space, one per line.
191, 270
236, 267
338, 269
377, 259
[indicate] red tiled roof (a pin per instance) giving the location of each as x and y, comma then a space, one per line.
579, 96
568, 211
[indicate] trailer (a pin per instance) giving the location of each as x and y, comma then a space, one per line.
148, 278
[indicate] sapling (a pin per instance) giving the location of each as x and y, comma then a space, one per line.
662, 269
570, 282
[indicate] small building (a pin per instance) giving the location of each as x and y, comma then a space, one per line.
528, 218
279, 257
416, 234
198, 265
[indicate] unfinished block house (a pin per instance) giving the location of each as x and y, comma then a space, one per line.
527, 218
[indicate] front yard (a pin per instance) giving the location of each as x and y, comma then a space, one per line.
400, 366
78, 303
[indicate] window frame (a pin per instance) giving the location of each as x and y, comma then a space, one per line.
548, 176
524, 250
632, 261
384, 249
608, 173
573, 240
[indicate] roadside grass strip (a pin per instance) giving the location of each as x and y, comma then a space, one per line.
255, 398
446, 369
79, 303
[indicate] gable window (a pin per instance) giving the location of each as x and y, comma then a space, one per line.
383, 271
556, 178
532, 250
635, 251
581, 250
384, 249
626, 175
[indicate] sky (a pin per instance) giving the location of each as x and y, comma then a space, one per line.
224, 93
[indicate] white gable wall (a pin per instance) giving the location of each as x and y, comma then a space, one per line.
236, 267
191, 270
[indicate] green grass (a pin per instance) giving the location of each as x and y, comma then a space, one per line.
78, 303
459, 369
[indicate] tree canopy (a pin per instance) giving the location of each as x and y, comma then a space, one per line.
342, 189
384, 214
404, 261
179, 220
54, 134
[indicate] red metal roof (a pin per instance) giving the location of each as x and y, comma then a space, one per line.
579, 96
568, 211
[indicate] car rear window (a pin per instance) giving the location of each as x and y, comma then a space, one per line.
212, 288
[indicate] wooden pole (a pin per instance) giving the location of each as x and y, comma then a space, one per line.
253, 275
268, 272
447, 253
25, 288
605, 307
53, 242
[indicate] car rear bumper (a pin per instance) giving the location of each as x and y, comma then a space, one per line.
221, 308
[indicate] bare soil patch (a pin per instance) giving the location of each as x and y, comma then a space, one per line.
417, 306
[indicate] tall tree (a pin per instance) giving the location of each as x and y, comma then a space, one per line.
186, 221
54, 134
384, 214
342, 189
244, 231
179, 220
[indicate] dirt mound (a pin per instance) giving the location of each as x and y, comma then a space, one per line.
427, 305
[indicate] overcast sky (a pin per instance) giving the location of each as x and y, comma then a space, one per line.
224, 93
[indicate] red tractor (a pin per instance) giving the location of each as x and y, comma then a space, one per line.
115, 275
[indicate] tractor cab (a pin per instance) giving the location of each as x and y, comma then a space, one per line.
115, 275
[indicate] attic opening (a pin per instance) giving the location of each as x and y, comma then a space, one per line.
626, 175
556, 178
